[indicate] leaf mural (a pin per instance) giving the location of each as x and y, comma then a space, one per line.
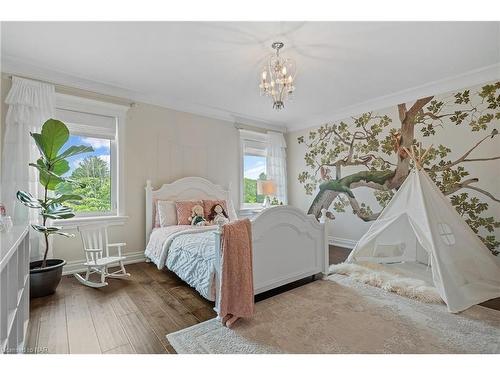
368, 151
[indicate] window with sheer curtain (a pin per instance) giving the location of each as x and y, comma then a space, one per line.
263, 157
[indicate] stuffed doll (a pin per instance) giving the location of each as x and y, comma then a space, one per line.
196, 217
218, 216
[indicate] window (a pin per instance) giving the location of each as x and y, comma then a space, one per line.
92, 174
446, 234
254, 168
99, 173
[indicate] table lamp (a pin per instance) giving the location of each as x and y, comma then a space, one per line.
266, 188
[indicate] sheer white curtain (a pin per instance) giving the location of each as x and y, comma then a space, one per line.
30, 103
276, 164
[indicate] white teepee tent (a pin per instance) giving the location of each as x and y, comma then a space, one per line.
420, 225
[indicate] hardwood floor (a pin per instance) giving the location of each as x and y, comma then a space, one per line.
128, 316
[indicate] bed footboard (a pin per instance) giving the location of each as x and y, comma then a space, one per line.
287, 246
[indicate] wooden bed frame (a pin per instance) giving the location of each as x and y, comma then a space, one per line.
288, 245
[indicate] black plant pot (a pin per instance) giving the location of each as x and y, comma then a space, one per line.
44, 281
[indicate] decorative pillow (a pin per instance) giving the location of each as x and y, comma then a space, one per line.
208, 204
184, 210
167, 213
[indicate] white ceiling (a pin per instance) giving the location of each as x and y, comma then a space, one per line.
213, 67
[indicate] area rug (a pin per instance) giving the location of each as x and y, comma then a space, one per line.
345, 316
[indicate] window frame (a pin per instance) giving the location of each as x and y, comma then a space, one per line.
113, 161
118, 112
247, 136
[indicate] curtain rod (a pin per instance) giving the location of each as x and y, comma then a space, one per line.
59, 87
257, 129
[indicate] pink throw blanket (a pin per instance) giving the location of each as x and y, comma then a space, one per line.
237, 298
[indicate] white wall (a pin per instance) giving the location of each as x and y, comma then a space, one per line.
5, 85
162, 145
458, 138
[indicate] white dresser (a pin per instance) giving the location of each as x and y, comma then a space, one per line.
14, 289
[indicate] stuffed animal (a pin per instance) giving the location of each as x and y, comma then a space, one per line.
196, 217
218, 216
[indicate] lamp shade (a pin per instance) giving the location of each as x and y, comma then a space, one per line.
266, 187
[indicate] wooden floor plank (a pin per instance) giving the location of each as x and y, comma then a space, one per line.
123, 349
33, 329
173, 306
122, 303
109, 331
150, 305
82, 336
52, 331
164, 276
141, 336
199, 307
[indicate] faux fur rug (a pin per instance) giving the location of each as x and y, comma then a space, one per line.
388, 279
345, 316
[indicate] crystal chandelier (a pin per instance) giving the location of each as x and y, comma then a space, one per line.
277, 78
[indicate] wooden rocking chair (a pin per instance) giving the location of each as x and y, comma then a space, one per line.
98, 259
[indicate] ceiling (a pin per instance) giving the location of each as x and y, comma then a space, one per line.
213, 67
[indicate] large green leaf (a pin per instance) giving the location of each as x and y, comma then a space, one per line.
53, 136
47, 178
51, 177
28, 200
58, 211
74, 150
45, 229
37, 137
50, 230
64, 198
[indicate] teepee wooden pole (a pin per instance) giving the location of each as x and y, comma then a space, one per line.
426, 152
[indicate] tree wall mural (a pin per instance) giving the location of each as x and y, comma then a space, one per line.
375, 143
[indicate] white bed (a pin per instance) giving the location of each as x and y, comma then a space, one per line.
287, 244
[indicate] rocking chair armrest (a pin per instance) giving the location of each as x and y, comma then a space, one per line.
93, 250
121, 244
118, 246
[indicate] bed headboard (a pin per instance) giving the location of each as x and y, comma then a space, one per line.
187, 188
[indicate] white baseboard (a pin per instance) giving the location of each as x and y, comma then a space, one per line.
341, 242
77, 265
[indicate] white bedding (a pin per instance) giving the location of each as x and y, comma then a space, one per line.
189, 252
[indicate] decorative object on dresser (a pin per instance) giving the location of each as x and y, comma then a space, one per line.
97, 255
288, 245
268, 189
45, 274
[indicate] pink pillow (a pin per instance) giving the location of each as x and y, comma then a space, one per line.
184, 211
208, 204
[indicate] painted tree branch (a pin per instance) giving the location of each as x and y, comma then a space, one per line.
460, 185
463, 158
488, 194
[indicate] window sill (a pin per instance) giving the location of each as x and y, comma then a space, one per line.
249, 212
82, 220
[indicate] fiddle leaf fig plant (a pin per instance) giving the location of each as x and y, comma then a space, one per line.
51, 166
